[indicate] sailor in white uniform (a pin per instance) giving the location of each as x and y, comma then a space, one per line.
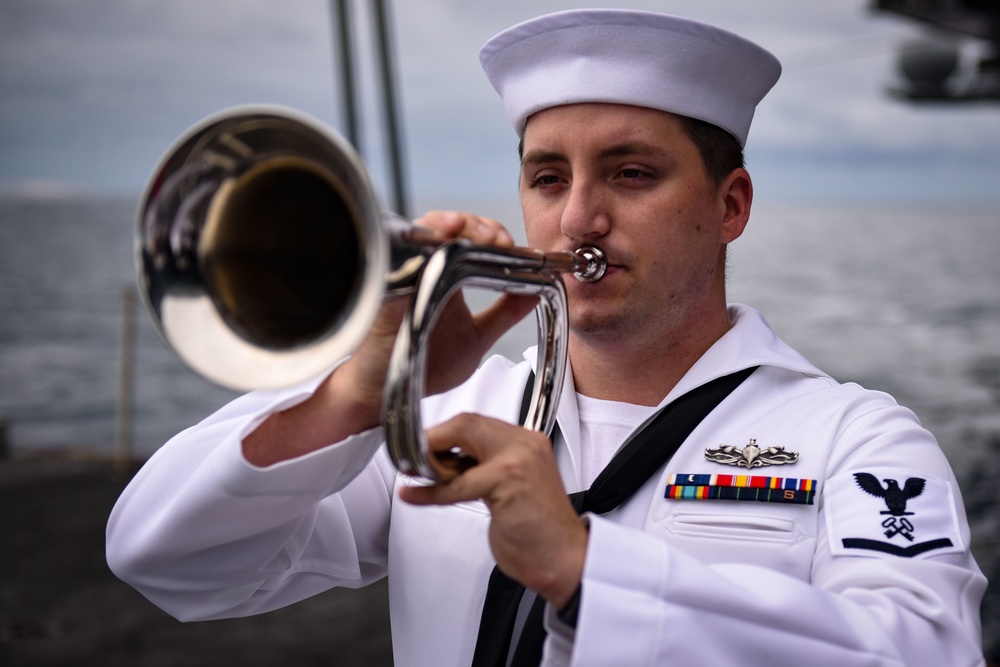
775, 517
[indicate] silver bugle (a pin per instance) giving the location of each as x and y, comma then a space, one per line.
263, 258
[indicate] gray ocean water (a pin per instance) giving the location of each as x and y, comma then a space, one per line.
903, 300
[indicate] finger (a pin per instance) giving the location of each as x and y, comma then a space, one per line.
449, 223
477, 229
478, 436
492, 232
502, 453
450, 445
451, 486
451, 463
496, 319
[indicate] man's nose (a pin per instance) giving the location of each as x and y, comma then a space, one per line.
586, 214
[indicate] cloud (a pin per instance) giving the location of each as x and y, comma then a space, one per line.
92, 93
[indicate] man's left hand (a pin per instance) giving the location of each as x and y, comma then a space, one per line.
536, 536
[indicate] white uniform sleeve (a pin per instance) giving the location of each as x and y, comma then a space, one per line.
203, 534
646, 604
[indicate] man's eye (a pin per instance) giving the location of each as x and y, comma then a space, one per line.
544, 179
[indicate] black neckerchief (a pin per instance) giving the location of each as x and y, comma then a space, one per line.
631, 467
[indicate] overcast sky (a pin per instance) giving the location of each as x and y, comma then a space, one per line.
92, 93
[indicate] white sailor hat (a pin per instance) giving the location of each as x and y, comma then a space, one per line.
629, 57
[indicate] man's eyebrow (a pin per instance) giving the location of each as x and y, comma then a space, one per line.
542, 157
639, 148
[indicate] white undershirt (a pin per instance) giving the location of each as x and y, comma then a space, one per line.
604, 426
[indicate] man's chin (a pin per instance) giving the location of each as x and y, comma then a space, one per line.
596, 324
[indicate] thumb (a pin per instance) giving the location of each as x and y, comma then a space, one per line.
506, 311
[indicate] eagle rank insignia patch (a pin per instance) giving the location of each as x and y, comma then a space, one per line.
878, 511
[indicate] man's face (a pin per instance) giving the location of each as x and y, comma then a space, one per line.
629, 180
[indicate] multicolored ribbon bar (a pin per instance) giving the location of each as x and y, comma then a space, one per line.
741, 487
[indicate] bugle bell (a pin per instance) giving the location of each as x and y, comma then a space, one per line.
263, 258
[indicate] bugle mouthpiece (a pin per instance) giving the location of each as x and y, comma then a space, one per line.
594, 264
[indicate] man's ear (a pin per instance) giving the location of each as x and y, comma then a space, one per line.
735, 197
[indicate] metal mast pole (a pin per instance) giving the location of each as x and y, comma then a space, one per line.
340, 11
385, 41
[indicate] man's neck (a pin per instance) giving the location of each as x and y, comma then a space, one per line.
641, 372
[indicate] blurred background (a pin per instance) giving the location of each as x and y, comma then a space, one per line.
872, 247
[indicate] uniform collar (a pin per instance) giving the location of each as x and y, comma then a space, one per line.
750, 342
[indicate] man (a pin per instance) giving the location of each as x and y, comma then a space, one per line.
850, 548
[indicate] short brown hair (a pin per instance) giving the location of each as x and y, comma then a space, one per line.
720, 151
